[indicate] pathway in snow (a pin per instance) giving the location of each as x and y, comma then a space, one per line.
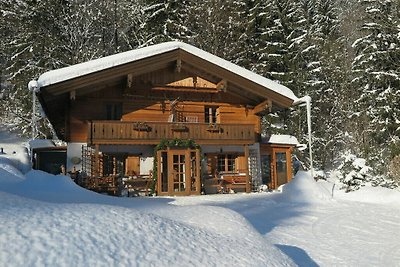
330, 232
335, 234
359, 231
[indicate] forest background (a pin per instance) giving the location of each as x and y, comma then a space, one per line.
345, 54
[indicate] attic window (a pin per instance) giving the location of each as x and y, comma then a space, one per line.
113, 111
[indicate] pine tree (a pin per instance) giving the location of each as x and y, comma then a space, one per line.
377, 79
29, 50
218, 27
168, 20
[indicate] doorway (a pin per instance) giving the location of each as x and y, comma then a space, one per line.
276, 164
281, 168
178, 172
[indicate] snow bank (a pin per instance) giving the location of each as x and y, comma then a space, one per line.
44, 234
371, 194
215, 219
43, 186
72, 226
13, 150
41, 143
8, 173
304, 189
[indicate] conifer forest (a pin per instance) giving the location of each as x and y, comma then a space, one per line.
344, 54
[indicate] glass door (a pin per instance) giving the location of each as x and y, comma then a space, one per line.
163, 173
179, 171
266, 169
281, 168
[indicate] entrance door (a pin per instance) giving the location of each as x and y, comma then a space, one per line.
281, 168
178, 172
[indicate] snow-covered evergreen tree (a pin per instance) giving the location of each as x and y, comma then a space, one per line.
303, 44
169, 20
218, 27
377, 79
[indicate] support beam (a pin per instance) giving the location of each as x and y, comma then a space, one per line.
96, 164
198, 171
158, 174
194, 81
184, 89
246, 166
129, 80
178, 65
72, 95
222, 85
267, 104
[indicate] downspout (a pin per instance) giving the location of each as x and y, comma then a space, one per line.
33, 87
307, 100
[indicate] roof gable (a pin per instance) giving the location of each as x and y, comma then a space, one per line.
150, 58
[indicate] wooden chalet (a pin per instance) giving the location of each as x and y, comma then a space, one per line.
169, 113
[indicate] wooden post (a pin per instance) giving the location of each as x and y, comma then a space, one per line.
170, 175
198, 171
114, 166
289, 164
246, 165
96, 165
158, 182
274, 178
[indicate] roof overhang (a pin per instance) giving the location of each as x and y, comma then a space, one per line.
81, 78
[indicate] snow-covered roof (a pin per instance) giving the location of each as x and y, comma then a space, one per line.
283, 139
74, 71
41, 143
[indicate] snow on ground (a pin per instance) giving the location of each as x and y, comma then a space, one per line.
47, 220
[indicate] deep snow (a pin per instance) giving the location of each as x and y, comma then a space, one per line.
47, 220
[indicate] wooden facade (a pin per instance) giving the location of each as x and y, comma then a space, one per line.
172, 95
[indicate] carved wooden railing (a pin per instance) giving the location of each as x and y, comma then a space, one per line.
118, 132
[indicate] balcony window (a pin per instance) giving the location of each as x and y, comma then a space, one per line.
113, 111
210, 114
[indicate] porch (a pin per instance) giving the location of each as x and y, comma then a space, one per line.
169, 171
122, 132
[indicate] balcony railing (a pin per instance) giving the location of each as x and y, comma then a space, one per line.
118, 132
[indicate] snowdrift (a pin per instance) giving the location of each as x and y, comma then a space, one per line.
43, 186
304, 189
54, 222
371, 194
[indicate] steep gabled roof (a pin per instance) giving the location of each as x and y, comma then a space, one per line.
57, 80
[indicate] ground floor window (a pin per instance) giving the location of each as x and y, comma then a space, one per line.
266, 169
226, 163
112, 165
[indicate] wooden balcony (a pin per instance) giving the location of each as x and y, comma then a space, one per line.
118, 132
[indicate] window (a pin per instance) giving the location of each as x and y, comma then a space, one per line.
265, 168
226, 163
113, 111
113, 165
210, 114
